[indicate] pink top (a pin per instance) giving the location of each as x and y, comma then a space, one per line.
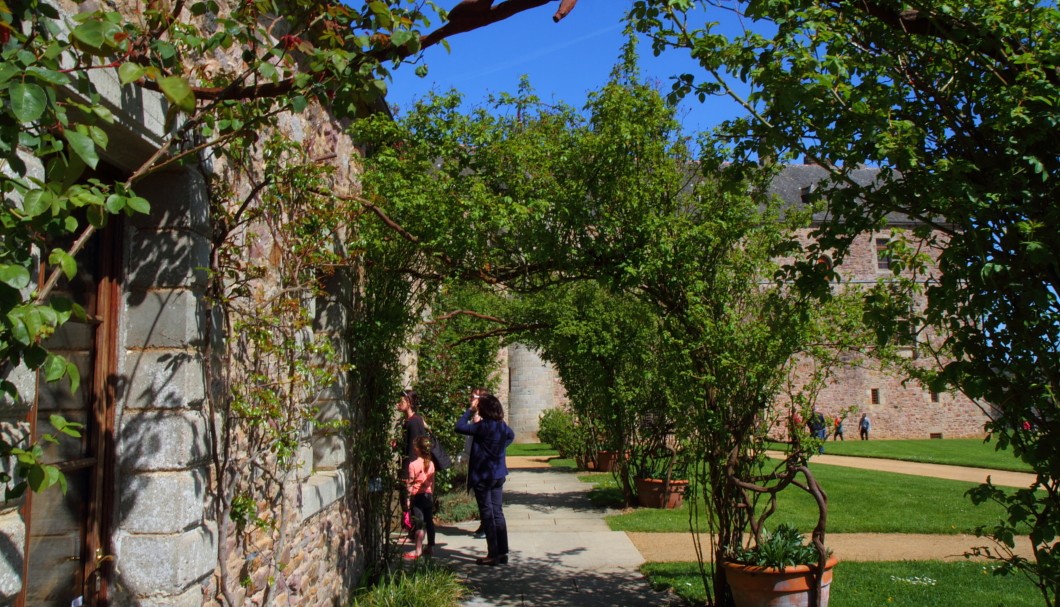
421, 480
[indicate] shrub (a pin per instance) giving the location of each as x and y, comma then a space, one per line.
559, 428
427, 585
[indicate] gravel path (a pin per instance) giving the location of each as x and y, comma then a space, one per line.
664, 547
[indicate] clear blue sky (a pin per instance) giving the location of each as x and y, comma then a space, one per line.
564, 61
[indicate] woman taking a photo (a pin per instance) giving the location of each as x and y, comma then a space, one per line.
487, 470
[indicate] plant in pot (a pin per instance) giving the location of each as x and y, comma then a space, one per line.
656, 470
662, 487
781, 570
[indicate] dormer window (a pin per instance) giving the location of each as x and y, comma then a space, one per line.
805, 194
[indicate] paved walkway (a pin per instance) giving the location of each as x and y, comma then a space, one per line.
564, 554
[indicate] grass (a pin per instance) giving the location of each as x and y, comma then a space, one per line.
425, 585
532, 449
543, 450
456, 505
956, 452
905, 583
860, 501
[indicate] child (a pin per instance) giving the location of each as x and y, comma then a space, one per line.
421, 497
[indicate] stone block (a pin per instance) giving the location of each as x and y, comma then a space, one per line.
178, 200
25, 382
193, 597
154, 441
163, 502
12, 539
331, 316
329, 452
305, 462
321, 490
334, 410
165, 319
168, 258
166, 566
139, 123
165, 380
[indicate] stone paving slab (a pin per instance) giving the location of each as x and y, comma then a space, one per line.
562, 552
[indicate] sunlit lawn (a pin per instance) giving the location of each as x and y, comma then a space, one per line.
958, 452
531, 449
860, 501
886, 584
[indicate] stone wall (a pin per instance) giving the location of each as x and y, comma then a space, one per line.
164, 535
532, 388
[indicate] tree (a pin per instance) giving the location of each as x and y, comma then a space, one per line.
956, 102
230, 72
537, 199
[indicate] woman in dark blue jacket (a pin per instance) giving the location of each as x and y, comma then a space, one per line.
486, 471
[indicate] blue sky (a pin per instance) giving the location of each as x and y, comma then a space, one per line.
564, 61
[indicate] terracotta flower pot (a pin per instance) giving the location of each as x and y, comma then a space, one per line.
650, 493
768, 587
606, 460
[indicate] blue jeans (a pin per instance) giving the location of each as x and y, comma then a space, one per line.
490, 497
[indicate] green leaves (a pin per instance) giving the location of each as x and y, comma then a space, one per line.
83, 146
28, 101
16, 277
178, 92
130, 72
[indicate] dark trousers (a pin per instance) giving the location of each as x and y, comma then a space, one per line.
490, 497
423, 514
864, 434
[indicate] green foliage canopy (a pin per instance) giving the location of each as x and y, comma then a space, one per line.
957, 103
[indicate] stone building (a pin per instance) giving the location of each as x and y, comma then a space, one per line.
138, 524
896, 408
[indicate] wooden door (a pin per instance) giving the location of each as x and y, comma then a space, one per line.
68, 558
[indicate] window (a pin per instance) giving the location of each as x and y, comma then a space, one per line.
934, 396
883, 260
874, 396
805, 194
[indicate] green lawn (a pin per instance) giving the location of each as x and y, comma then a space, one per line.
532, 449
958, 452
886, 584
860, 501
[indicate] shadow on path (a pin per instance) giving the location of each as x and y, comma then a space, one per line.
562, 552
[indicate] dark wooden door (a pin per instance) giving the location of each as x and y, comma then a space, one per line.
68, 558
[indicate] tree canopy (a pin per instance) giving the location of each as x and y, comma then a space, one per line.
956, 102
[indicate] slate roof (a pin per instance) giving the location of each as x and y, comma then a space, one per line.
792, 180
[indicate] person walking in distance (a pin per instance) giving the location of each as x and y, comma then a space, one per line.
487, 471
421, 498
864, 426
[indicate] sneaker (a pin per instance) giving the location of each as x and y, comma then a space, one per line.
410, 556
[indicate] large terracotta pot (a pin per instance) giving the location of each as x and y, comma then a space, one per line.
768, 587
606, 460
650, 493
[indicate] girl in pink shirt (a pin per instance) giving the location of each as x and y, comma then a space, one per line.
421, 497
